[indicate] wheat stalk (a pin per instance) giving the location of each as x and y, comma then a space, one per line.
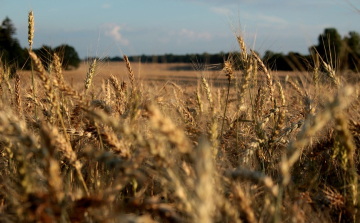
46, 81
267, 73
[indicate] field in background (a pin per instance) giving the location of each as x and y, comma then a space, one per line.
183, 74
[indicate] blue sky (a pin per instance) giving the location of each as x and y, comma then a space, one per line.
135, 27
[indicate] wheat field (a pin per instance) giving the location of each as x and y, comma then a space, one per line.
130, 142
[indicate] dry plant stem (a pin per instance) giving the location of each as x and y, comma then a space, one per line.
107, 92
316, 71
226, 104
33, 87
198, 99
46, 82
81, 178
7, 82
62, 124
267, 73
204, 170
282, 114
60, 78
229, 73
255, 72
100, 138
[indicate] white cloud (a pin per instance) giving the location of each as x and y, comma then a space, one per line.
221, 11
273, 19
113, 30
195, 35
106, 6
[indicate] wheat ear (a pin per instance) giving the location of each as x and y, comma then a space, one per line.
90, 75
131, 73
30, 40
31, 29
18, 94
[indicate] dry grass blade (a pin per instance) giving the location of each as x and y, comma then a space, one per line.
267, 73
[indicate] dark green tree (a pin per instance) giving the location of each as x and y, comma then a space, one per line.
353, 42
329, 46
10, 49
70, 56
352, 52
45, 54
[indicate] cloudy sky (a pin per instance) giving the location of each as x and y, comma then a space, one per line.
113, 27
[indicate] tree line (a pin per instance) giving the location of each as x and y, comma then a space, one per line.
341, 53
16, 57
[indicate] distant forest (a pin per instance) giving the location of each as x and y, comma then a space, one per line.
341, 53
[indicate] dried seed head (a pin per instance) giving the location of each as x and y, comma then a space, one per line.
57, 67
255, 69
90, 74
281, 93
207, 90
17, 94
331, 73
228, 70
242, 47
131, 73
244, 85
31, 29
165, 126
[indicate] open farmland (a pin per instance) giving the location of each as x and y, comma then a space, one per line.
184, 74
132, 142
